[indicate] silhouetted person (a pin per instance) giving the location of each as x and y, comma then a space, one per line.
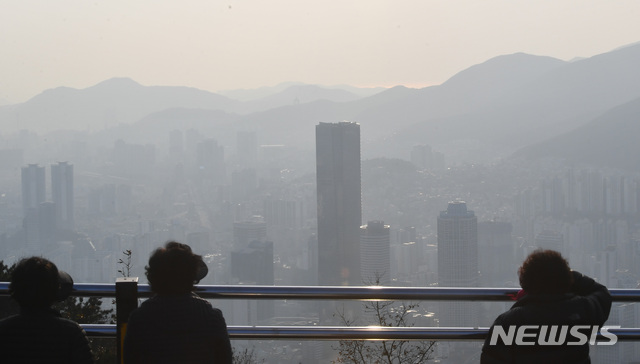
176, 326
38, 334
552, 294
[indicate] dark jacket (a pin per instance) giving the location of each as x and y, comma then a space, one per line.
588, 303
177, 329
43, 337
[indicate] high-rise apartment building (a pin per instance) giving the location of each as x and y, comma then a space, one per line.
47, 222
31, 229
33, 187
247, 148
550, 240
375, 252
176, 146
210, 161
253, 264
62, 194
422, 157
244, 184
458, 261
495, 244
244, 232
284, 214
339, 203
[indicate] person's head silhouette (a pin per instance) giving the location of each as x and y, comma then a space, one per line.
36, 283
545, 272
174, 269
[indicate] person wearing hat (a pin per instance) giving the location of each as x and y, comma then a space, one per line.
38, 334
175, 325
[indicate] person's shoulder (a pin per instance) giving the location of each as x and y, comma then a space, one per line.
65, 325
10, 321
206, 306
147, 307
199, 300
157, 302
47, 321
160, 302
513, 316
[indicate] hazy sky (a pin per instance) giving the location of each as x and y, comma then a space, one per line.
215, 45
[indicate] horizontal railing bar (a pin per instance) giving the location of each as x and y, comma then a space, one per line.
383, 333
94, 290
100, 330
334, 292
372, 293
356, 333
625, 295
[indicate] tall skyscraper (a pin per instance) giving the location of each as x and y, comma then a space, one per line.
339, 203
458, 261
62, 194
375, 251
33, 187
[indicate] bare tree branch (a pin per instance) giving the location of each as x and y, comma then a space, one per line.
386, 314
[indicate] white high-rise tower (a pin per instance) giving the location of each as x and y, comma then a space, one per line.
458, 261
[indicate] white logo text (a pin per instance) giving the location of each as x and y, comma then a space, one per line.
552, 335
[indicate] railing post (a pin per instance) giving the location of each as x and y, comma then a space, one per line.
126, 302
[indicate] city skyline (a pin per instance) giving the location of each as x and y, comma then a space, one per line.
513, 207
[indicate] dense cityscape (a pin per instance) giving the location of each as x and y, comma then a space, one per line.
254, 217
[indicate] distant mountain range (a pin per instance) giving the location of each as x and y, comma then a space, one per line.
122, 100
262, 92
609, 140
560, 97
118, 100
509, 101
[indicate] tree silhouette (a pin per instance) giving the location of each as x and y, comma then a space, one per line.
386, 314
125, 263
8, 306
246, 356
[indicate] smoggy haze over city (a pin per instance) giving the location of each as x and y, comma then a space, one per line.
298, 143
215, 45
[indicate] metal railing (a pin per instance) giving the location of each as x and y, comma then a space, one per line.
371, 293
